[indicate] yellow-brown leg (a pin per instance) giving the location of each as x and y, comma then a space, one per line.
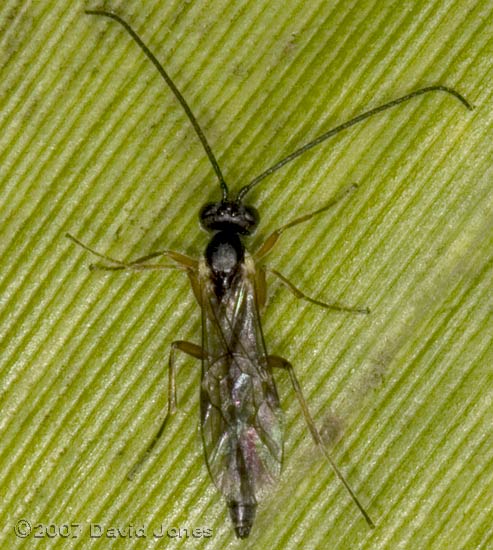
272, 239
190, 349
335, 306
278, 362
181, 260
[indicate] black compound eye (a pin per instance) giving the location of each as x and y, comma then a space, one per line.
229, 216
252, 216
207, 212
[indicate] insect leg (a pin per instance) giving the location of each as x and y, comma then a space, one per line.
139, 264
190, 349
299, 294
278, 362
272, 239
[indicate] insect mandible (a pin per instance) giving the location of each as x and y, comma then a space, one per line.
241, 419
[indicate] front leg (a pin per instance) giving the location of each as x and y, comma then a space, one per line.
272, 239
181, 261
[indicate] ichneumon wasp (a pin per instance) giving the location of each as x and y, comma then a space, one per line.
241, 419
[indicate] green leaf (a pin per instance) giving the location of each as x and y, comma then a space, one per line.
93, 143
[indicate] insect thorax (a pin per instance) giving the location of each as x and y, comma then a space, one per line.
224, 255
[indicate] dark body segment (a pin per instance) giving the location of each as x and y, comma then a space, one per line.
242, 423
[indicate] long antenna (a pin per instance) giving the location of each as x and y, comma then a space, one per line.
438, 88
176, 92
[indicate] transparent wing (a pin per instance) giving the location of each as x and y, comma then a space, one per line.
241, 417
